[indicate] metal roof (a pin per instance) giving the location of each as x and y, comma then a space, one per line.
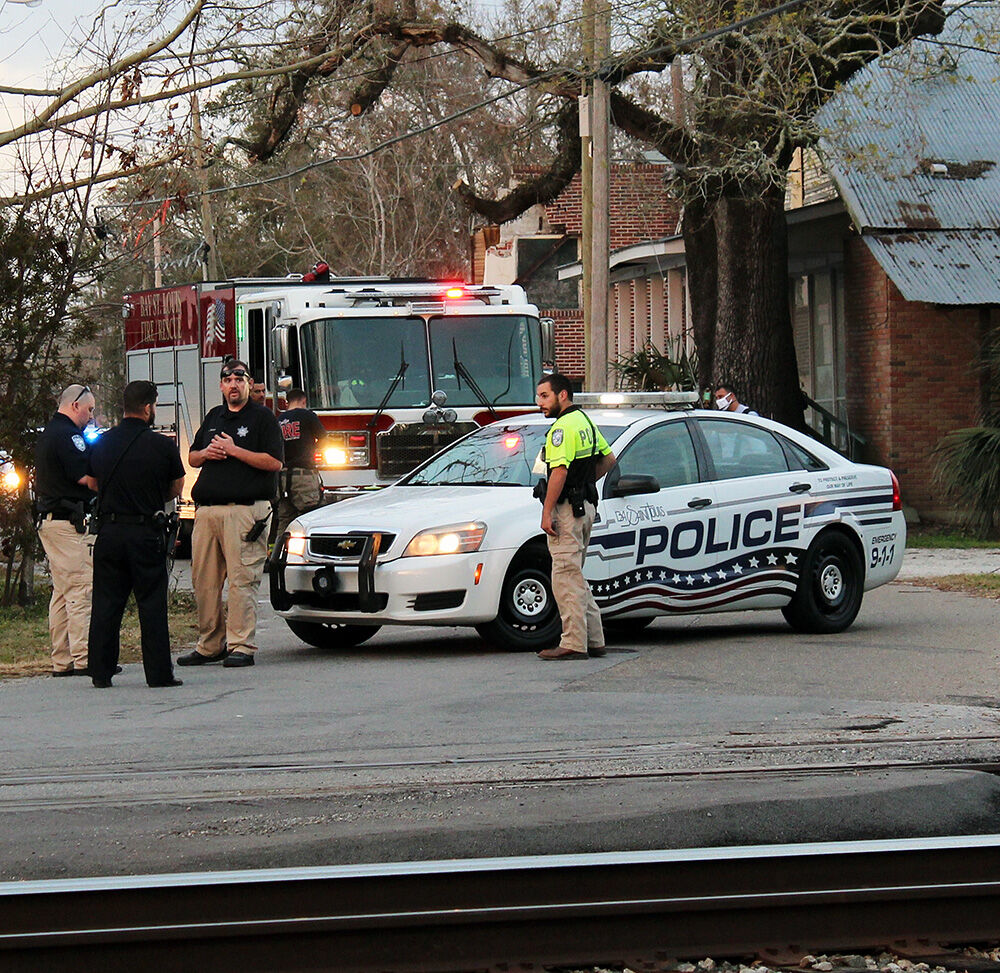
914, 147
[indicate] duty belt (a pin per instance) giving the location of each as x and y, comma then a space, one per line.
132, 520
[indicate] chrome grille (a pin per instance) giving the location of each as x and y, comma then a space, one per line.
348, 546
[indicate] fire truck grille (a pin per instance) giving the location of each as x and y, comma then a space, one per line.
401, 451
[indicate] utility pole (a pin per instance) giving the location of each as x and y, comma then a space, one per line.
586, 194
602, 351
209, 266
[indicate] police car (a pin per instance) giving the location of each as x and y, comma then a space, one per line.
704, 512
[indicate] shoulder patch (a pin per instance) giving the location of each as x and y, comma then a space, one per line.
79, 443
557, 437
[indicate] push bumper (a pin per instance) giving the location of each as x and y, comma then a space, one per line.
405, 591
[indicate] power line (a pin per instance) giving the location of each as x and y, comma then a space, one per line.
680, 45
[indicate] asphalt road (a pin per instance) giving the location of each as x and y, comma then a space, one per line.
422, 743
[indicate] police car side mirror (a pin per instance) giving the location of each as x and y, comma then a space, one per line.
631, 484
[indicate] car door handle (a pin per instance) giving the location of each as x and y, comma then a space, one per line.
700, 502
800, 487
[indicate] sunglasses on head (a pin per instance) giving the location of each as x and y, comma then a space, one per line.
238, 372
82, 393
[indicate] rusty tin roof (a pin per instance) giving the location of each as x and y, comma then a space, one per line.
914, 147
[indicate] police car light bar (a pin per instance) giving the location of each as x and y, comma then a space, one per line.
631, 400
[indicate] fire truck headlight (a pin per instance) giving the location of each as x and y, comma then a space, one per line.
453, 539
334, 456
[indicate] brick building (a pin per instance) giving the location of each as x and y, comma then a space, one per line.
894, 253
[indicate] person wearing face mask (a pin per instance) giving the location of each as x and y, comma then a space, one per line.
726, 401
136, 472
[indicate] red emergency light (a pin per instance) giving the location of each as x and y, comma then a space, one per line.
512, 442
455, 293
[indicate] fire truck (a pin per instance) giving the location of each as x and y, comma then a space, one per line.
395, 368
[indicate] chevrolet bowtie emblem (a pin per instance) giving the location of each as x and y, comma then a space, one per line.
346, 545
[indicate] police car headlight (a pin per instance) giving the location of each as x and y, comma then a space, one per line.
296, 545
453, 539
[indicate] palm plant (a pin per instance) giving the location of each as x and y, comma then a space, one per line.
649, 369
967, 461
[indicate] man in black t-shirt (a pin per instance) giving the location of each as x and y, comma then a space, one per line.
238, 450
64, 493
300, 488
137, 472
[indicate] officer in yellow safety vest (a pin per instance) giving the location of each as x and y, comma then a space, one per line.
577, 456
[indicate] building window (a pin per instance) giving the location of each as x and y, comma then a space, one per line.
820, 347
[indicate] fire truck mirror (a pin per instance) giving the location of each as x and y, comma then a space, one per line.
283, 347
548, 339
284, 382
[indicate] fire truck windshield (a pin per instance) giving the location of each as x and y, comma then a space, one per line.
349, 363
502, 351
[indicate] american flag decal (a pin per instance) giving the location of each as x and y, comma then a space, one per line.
679, 591
215, 325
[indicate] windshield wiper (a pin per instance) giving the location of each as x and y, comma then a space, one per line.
401, 371
462, 372
491, 483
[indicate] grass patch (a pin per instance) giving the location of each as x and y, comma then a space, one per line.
980, 585
24, 633
931, 535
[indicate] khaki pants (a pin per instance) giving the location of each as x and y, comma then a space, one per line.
581, 619
71, 565
219, 552
300, 491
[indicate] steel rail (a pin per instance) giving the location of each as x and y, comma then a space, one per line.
475, 914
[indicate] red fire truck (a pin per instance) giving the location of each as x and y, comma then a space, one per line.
395, 368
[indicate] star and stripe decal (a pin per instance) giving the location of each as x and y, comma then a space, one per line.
671, 589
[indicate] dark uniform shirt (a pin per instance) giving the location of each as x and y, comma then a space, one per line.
230, 480
301, 430
140, 484
60, 462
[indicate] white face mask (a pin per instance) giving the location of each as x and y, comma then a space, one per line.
724, 403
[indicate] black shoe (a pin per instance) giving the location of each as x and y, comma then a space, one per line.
163, 685
195, 658
86, 671
596, 651
102, 684
63, 672
236, 660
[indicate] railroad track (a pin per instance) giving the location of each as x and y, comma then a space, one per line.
440, 917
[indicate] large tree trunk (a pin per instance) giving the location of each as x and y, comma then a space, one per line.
737, 268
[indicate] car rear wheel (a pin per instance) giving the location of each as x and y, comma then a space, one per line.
528, 619
830, 587
330, 635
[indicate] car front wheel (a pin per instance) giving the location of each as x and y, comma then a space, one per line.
330, 635
830, 587
528, 619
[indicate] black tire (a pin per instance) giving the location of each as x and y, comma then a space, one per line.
830, 588
626, 626
331, 635
528, 619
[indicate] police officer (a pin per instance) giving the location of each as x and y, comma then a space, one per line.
300, 488
576, 455
63, 494
238, 451
137, 472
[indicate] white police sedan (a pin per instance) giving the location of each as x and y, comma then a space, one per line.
705, 512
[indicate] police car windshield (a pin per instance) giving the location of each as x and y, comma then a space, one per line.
502, 454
